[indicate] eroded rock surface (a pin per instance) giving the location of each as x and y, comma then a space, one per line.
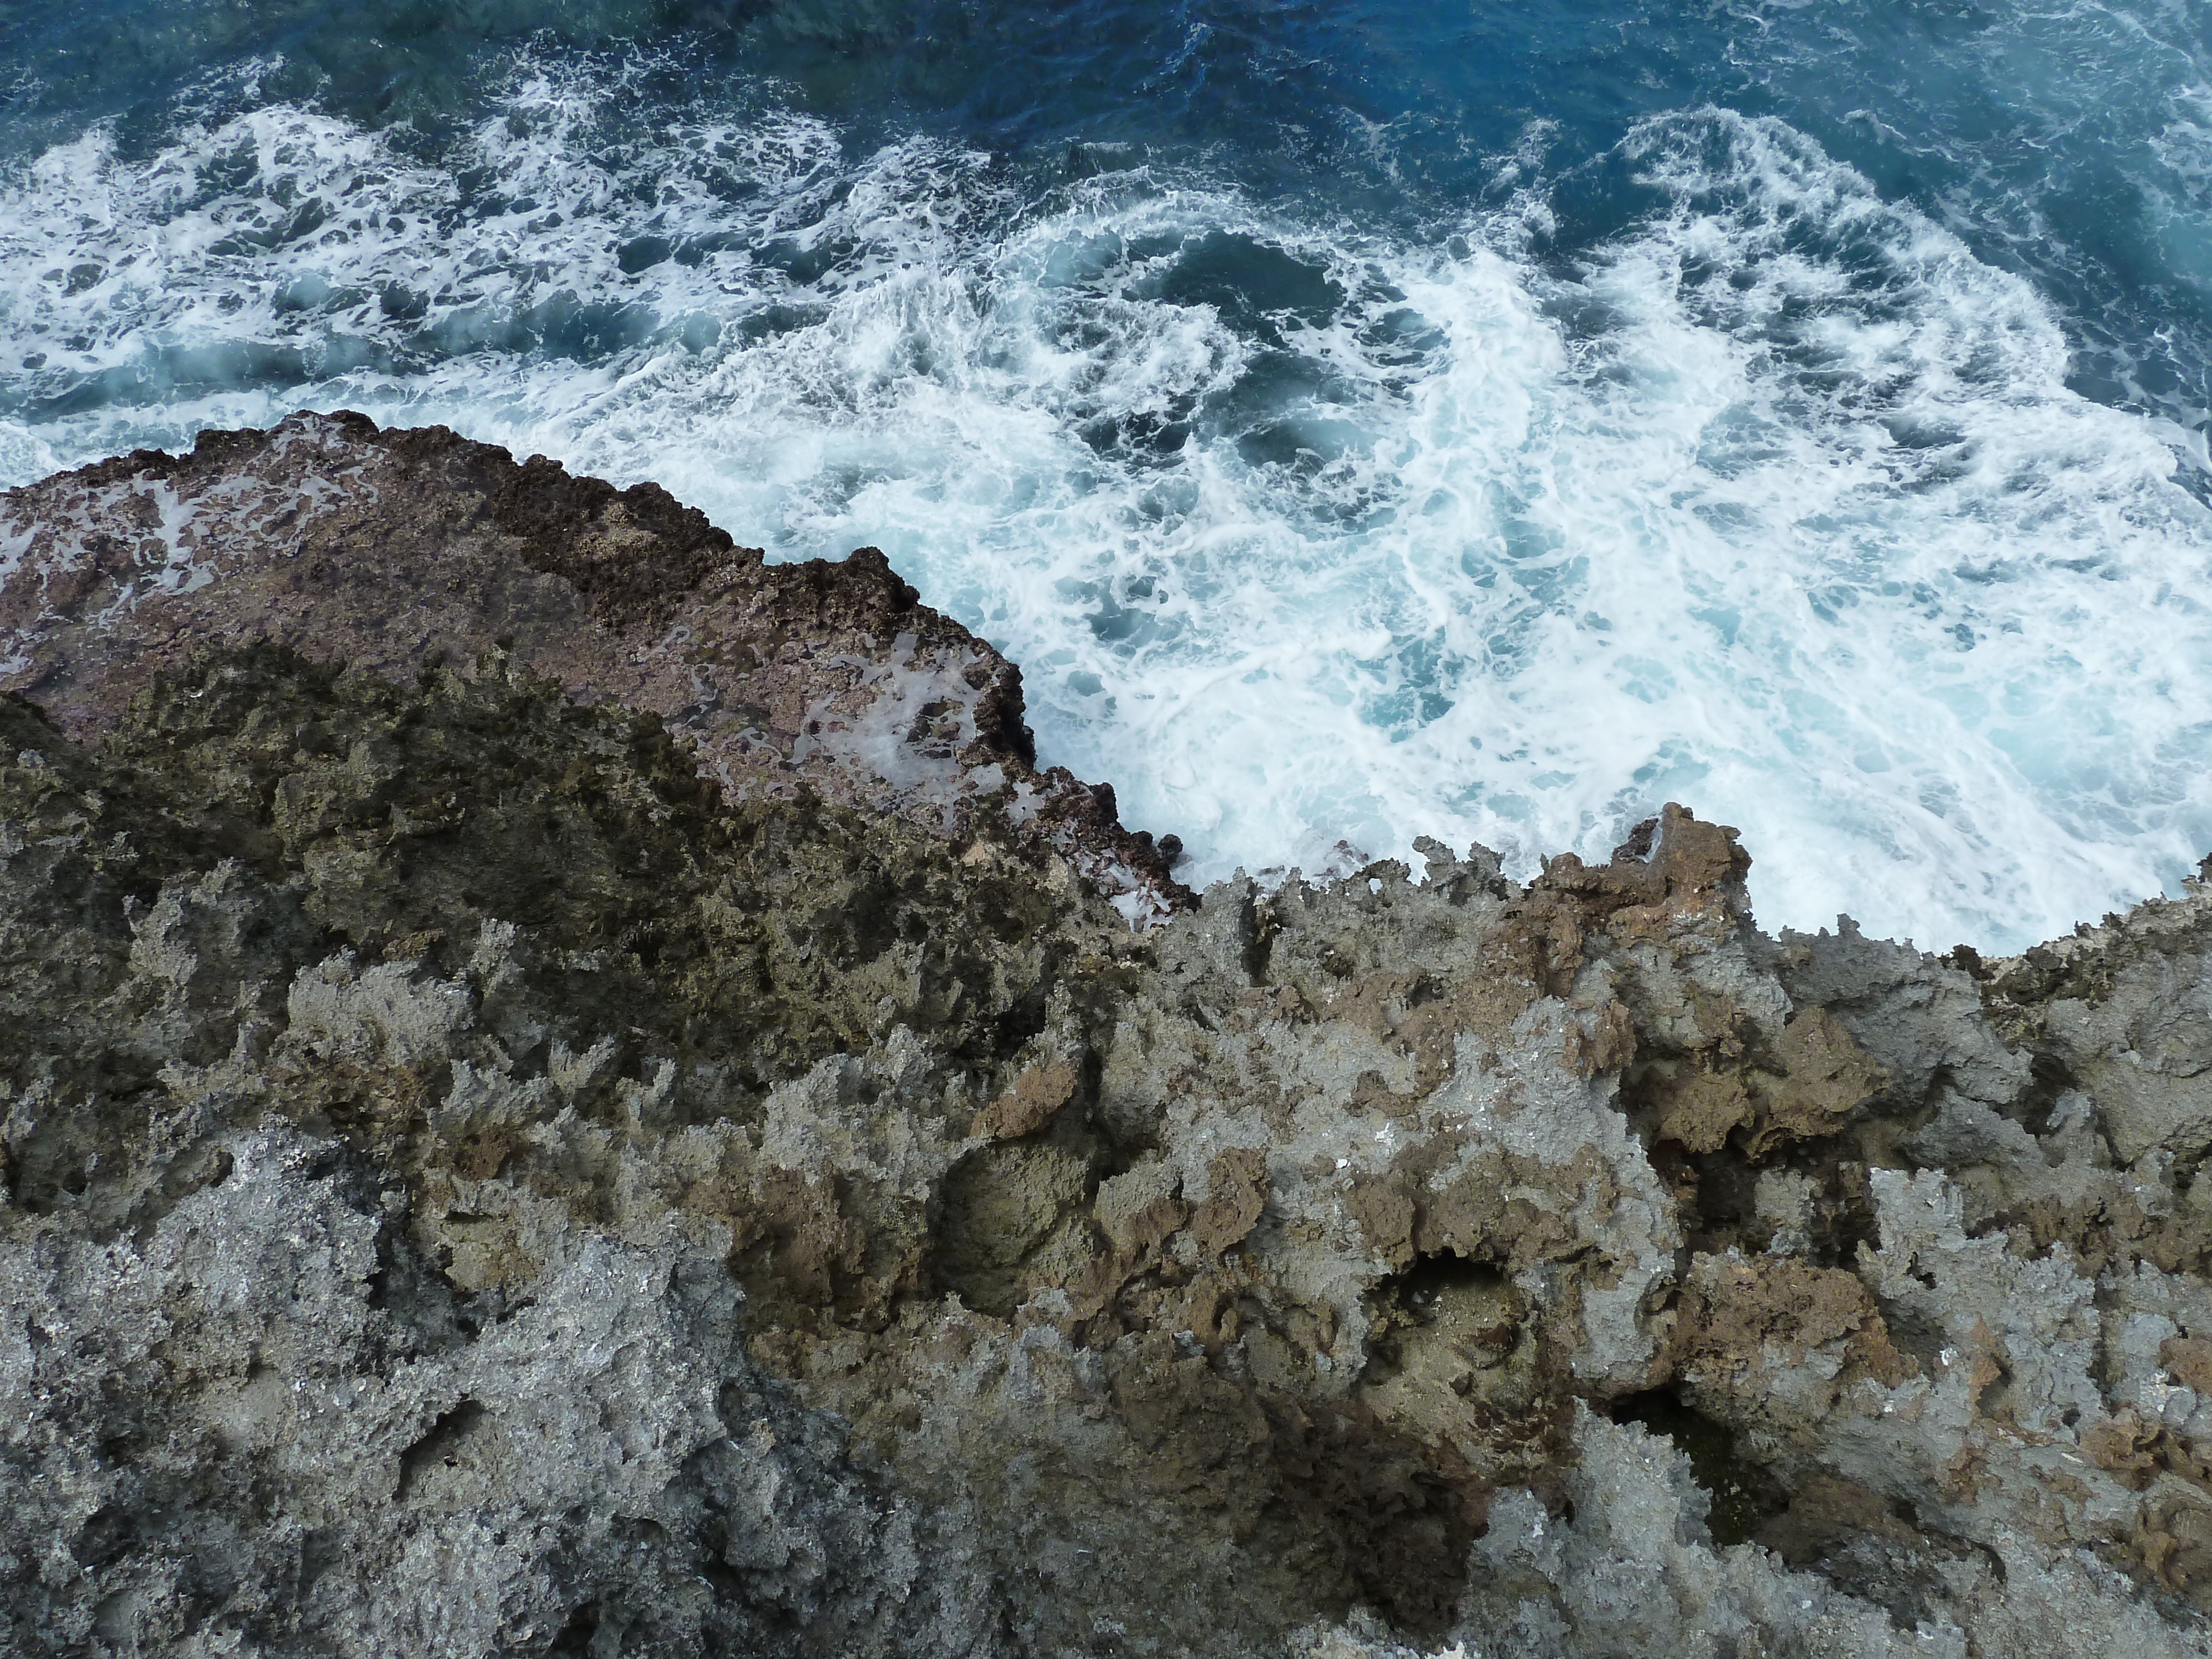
478, 1181
386, 551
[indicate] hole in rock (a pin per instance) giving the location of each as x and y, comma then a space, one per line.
1446, 1319
575, 1637
438, 1450
320, 1551
1743, 1494
108, 1534
1011, 1216
1381, 1518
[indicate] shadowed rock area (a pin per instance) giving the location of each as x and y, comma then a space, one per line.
384, 550
487, 1172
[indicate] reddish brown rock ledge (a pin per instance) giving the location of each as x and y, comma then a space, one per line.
386, 551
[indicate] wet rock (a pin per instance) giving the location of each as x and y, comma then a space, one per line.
386, 551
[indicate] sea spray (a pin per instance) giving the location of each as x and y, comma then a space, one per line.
1313, 534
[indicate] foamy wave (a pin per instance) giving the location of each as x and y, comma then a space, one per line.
1781, 505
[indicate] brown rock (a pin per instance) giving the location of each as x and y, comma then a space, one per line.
1234, 1202
387, 550
1038, 1092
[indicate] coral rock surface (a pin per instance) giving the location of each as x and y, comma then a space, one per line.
564, 1090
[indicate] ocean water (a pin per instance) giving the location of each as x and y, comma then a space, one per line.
1361, 421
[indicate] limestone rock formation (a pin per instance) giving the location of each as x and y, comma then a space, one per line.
386, 551
499, 1162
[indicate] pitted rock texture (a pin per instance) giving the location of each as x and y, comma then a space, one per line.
384, 550
476, 1185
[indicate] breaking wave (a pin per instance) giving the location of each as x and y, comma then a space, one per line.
1314, 535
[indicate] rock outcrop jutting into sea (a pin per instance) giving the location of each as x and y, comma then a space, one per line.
567, 1089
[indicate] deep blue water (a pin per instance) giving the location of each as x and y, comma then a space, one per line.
1361, 420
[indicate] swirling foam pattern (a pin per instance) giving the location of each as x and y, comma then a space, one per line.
1361, 424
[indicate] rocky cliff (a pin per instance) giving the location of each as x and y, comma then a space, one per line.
568, 1090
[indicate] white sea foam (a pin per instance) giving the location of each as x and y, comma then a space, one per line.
1781, 506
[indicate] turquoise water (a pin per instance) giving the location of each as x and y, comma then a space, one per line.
1361, 421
